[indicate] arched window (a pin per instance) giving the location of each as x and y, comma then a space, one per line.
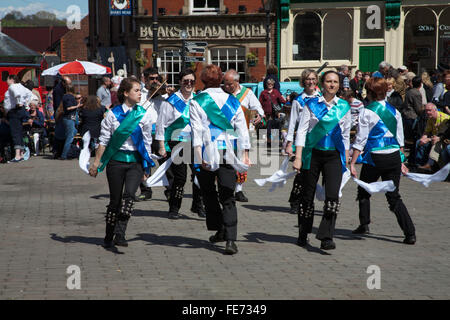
420, 40
337, 41
444, 37
307, 36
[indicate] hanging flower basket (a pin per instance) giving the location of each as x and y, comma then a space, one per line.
252, 59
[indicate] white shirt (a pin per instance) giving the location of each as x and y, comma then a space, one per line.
17, 94
369, 119
200, 121
296, 110
168, 115
250, 101
308, 121
110, 124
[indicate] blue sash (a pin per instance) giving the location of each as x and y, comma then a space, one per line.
137, 138
333, 139
377, 141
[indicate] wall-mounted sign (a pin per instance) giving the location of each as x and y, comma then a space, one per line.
120, 7
206, 31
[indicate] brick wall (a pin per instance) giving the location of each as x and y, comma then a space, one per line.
173, 7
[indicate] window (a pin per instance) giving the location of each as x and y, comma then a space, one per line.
307, 44
365, 32
230, 58
205, 6
444, 37
171, 66
337, 41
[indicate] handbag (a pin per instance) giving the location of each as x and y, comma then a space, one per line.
276, 108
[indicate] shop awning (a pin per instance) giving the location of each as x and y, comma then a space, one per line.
13, 51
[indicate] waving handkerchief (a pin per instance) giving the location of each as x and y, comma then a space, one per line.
159, 179
231, 158
320, 191
279, 178
85, 154
374, 187
427, 179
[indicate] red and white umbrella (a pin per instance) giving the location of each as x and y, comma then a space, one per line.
77, 67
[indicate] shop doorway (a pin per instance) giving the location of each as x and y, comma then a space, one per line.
370, 58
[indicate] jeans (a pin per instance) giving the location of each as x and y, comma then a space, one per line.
69, 132
422, 152
445, 154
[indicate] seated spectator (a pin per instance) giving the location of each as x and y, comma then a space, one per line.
445, 104
91, 115
49, 113
445, 153
5, 136
37, 123
429, 145
393, 97
355, 104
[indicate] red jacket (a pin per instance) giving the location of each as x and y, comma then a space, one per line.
267, 99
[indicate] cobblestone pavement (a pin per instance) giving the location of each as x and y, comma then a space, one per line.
52, 216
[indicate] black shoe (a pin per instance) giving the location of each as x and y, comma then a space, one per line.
218, 237
120, 241
327, 245
239, 196
302, 240
107, 244
174, 215
362, 229
167, 194
230, 247
199, 211
294, 208
409, 240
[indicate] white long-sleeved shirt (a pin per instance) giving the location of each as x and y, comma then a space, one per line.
110, 124
168, 115
369, 119
250, 101
308, 121
200, 121
296, 111
17, 94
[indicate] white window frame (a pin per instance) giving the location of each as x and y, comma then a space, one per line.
174, 62
231, 63
203, 11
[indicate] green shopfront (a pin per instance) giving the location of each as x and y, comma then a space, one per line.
361, 34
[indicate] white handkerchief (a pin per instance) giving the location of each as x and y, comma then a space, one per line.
320, 191
231, 158
279, 178
374, 187
85, 154
159, 179
427, 179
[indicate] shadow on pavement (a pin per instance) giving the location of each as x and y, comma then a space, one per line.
160, 214
266, 208
100, 196
176, 241
87, 240
259, 237
345, 234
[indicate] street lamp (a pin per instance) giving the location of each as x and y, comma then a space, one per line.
183, 36
268, 8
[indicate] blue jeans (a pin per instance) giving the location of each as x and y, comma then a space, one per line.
69, 132
422, 152
445, 154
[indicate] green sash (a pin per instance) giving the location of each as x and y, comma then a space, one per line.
385, 115
213, 111
122, 133
328, 122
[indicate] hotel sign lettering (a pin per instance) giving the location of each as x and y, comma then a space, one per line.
209, 31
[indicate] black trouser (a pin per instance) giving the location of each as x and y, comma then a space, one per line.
123, 180
15, 117
218, 218
329, 164
296, 187
388, 167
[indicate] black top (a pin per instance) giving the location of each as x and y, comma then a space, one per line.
69, 100
91, 120
396, 100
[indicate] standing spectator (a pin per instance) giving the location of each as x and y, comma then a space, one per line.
60, 90
429, 146
393, 97
104, 94
115, 87
366, 76
17, 98
355, 106
344, 79
91, 115
403, 70
270, 99
70, 105
356, 84
5, 135
272, 73
383, 69
427, 86
445, 104
49, 112
399, 82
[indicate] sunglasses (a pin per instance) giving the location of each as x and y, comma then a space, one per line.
186, 82
152, 78
78, 98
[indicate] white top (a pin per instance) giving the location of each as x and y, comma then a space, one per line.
200, 121
17, 94
251, 102
369, 119
308, 121
110, 124
168, 115
296, 110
